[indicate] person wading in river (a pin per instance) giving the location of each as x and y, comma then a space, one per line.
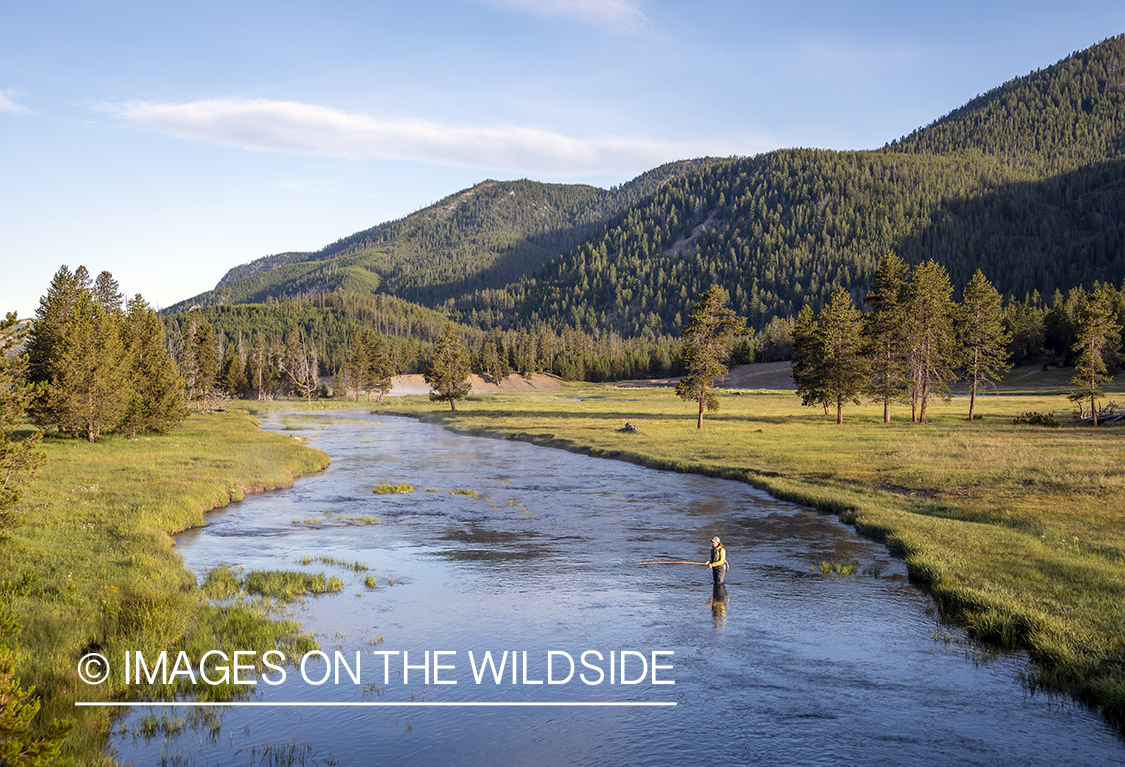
718, 563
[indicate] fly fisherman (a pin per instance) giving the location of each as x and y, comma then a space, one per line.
718, 563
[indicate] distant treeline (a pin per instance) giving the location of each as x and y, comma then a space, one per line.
1039, 330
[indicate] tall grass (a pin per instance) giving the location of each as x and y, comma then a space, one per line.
1018, 530
288, 585
95, 543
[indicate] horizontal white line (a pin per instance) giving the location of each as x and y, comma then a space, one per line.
177, 703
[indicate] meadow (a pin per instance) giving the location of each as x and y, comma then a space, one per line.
1018, 531
92, 567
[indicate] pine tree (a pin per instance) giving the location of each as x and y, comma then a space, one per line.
843, 367
205, 361
107, 293
156, 402
982, 338
448, 373
358, 364
808, 354
19, 458
933, 350
380, 368
885, 333
1099, 335
705, 353
45, 339
232, 374
91, 387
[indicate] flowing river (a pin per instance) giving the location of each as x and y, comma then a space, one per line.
794, 667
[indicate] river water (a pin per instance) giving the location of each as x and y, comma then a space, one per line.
793, 667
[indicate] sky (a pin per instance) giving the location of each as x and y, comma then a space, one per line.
167, 142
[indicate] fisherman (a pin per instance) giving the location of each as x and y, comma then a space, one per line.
718, 563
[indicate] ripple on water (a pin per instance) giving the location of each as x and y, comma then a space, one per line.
796, 667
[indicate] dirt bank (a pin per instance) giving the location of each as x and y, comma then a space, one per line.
414, 384
765, 375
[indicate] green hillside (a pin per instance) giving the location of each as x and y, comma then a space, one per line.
1026, 182
488, 235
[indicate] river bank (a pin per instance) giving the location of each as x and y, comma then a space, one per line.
96, 551
1016, 530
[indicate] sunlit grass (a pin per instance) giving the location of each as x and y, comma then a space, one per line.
95, 542
386, 488
288, 585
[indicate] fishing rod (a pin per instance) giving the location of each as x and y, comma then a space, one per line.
671, 562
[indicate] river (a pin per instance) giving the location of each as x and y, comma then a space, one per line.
794, 667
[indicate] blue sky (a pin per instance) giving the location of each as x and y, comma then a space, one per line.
167, 142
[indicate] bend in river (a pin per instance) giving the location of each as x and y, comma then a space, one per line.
533, 558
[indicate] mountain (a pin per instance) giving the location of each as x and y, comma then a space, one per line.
487, 235
1026, 182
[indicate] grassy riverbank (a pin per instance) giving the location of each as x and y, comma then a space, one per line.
1019, 531
95, 548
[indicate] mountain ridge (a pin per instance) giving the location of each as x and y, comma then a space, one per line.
1026, 180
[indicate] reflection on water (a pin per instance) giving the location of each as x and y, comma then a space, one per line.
785, 665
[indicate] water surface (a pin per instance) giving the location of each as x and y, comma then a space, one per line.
795, 667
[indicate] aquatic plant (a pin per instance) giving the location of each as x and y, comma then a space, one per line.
364, 520
839, 568
357, 565
386, 488
288, 585
221, 583
462, 491
371, 582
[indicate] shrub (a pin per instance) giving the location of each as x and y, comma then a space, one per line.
1033, 418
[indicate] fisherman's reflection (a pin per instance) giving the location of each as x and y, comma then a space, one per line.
719, 601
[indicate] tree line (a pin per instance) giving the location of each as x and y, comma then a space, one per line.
98, 364
916, 340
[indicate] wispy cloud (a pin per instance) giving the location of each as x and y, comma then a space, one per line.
617, 16
8, 103
287, 126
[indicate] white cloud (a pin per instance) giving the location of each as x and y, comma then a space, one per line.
287, 126
618, 16
8, 103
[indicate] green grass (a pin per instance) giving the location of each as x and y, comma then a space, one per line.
387, 488
95, 543
289, 585
1017, 530
327, 517
838, 568
357, 566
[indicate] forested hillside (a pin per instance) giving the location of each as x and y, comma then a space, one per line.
488, 235
1025, 182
